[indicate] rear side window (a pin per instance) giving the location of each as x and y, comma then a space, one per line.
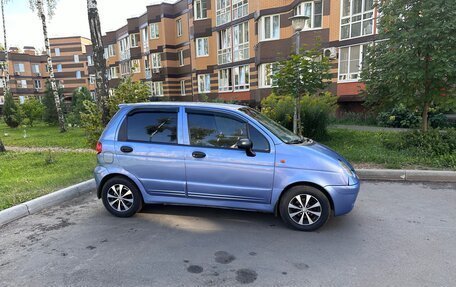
152, 127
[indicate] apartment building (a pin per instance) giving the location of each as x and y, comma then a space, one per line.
71, 63
228, 49
27, 71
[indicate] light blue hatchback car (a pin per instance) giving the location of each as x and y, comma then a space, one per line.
219, 155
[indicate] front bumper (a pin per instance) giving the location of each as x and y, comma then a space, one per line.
343, 197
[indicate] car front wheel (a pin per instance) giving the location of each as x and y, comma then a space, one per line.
121, 197
304, 208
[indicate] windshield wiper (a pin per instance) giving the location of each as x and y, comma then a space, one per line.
296, 141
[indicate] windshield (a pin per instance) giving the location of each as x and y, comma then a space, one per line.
279, 131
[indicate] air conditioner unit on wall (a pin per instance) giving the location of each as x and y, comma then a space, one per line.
331, 53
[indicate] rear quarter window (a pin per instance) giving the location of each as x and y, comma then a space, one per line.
150, 126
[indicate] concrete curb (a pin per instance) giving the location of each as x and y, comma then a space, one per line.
46, 201
407, 175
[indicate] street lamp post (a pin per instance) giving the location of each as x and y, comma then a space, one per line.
298, 22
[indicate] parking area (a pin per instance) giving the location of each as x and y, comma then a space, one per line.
397, 235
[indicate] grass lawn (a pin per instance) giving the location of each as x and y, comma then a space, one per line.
42, 135
24, 176
365, 147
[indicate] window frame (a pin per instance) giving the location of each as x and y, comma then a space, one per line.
198, 82
205, 39
155, 31
246, 86
262, 30
241, 48
156, 60
197, 111
183, 87
201, 10
350, 22
262, 75
156, 84
179, 28
229, 88
360, 62
312, 14
180, 58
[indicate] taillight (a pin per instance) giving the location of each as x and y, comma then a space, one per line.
99, 147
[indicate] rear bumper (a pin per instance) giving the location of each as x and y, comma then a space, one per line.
343, 197
99, 173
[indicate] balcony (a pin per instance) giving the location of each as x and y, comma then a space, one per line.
148, 74
240, 9
241, 52
223, 16
224, 56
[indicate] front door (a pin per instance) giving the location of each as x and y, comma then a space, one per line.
217, 169
148, 148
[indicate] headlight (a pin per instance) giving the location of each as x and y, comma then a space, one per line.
346, 168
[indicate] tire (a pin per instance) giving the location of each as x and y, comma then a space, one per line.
130, 200
304, 219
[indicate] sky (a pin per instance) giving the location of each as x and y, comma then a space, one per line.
70, 19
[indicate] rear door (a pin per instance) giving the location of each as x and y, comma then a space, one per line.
148, 147
216, 168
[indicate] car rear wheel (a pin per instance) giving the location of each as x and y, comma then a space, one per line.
121, 197
304, 208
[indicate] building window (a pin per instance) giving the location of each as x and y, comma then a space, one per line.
114, 72
76, 58
92, 79
224, 47
266, 75
357, 18
180, 57
204, 83
225, 80
78, 74
156, 60
57, 51
241, 41
125, 68
134, 40
241, 78
269, 27
19, 68
223, 12
145, 39
59, 67
135, 66
36, 69
157, 89
124, 46
21, 84
154, 32
202, 47
111, 51
200, 9
182, 87
90, 60
179, 27
350, 60
313, 10
37, 84
240, 8
2, 98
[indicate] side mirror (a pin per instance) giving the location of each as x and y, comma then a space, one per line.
247, 145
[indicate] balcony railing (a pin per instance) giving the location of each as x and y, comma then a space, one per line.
224, 56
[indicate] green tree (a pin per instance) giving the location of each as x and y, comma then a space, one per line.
50, 112
80, 95
32, 110
128, 92
11, 112
416, 63
302, 74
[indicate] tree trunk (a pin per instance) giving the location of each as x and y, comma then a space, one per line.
425, 118
101, 78
295, 116
40, 8
5, 74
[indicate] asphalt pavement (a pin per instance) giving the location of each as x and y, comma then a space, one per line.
399, 234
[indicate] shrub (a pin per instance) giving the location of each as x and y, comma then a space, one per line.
128, 92
356, 118
11, 112
399, 117
32, 110
315, 112
432, 143
91, 122
50, 111
438, 121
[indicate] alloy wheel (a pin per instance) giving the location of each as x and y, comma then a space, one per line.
304, 209
120, 197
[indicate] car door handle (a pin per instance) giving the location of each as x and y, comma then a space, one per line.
198, 154
126, 149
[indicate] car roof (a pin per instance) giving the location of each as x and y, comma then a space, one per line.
184, 104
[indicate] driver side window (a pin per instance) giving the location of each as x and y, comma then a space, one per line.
213, 130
